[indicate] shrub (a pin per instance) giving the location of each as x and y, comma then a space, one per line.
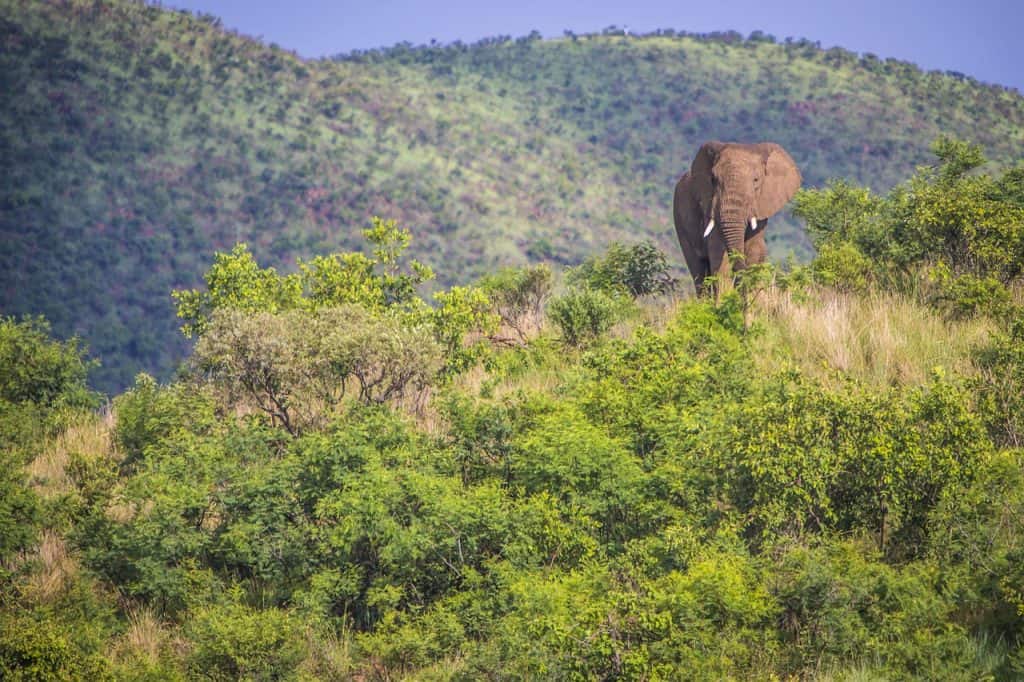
460, 311
20, 511
147, 413
1000, 385
36, 369
840, 605
518, 296
843, 266
582, 315
637, 270
236, 642
33, 650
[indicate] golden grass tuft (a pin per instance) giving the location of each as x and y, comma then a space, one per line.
54, 568
330, 656
145, 640
90, 435
881, 339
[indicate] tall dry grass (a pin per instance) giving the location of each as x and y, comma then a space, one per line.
881, 339
89, 436
146, 641
53, 568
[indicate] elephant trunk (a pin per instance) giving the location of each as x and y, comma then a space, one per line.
734, 218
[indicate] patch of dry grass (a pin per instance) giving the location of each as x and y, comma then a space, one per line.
881, 339
53, 568
331, 657
89, 435
146, 640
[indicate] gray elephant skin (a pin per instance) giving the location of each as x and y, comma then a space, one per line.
723, 203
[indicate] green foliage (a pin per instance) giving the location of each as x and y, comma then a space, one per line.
803, 460
42, 385
1000, 385
637, 270
236, 282
584, 314
33, 650
977, 540
566, 456
841, 265
296, 366
144, 138
36, 369
962, 233
148, 413
235, 642
375, 283
20, 511
458, 312
840, 604
519, 296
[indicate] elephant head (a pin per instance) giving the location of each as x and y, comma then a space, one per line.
736, 185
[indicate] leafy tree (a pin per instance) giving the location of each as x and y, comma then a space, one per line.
376, 282
297, 366
236, 282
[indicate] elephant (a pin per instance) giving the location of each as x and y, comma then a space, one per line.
722, 205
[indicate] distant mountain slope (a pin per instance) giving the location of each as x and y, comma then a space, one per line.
137, 140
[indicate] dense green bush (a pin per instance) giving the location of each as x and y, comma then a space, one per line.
637, 270
20, 511
961, 232
148, 413
235, 642
35, 650
584, 314
1000, 385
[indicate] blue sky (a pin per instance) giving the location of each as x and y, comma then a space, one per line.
981, 38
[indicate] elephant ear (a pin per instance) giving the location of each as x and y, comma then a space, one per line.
701, 188
781, 181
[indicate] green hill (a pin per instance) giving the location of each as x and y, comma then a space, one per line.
137, 141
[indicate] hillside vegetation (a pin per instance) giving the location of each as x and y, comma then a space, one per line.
817, 474
137, 141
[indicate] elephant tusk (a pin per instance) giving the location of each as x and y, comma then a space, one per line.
711, 226
753, 223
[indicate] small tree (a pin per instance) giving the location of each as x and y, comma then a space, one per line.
297, 366
235, 281
518, 297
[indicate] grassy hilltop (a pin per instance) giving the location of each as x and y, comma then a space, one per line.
137, 141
